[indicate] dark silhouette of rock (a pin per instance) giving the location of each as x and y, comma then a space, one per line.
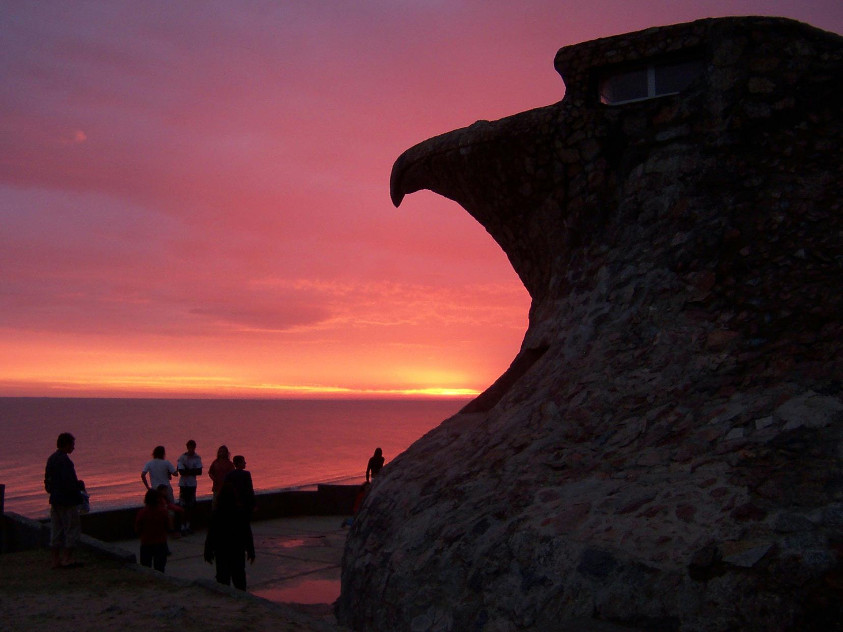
666, 450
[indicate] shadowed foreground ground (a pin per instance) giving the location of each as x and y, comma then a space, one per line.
106, 594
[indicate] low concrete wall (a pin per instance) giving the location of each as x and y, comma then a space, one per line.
326, 500
19, 533
23, 534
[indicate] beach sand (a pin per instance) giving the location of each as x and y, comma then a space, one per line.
108, 595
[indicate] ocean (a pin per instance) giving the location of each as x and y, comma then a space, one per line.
288, 444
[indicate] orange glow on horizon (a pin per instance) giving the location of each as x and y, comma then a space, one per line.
186, 387
55, 367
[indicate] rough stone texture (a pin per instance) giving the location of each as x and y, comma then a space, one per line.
666, 451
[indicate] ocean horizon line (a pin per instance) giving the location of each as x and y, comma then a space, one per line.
344, 397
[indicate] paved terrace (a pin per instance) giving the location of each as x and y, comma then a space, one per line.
297, 559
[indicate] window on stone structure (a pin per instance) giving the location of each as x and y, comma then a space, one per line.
648, 81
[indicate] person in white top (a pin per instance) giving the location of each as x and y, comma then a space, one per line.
160, 472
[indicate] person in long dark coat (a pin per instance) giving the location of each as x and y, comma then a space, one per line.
229, 541
241, 478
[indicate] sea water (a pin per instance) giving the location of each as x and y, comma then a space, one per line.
287, 443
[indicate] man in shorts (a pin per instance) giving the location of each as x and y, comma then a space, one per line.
61, 483
189, 467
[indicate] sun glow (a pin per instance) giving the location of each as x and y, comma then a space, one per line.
188, 387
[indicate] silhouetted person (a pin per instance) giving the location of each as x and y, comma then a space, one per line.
219, 469
172, 508
241, 479
61, 483
189, 466
229, 540
375, 464
151, 524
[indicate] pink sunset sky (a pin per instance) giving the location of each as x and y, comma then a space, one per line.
194, 195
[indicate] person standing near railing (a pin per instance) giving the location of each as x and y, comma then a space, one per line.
241, 479
375, 464
61, 483
189, 466
221, 466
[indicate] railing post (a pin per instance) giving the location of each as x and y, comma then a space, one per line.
2, 518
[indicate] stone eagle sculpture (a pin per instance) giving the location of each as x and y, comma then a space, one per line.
666, 450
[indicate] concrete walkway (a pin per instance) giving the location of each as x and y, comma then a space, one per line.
297, 560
